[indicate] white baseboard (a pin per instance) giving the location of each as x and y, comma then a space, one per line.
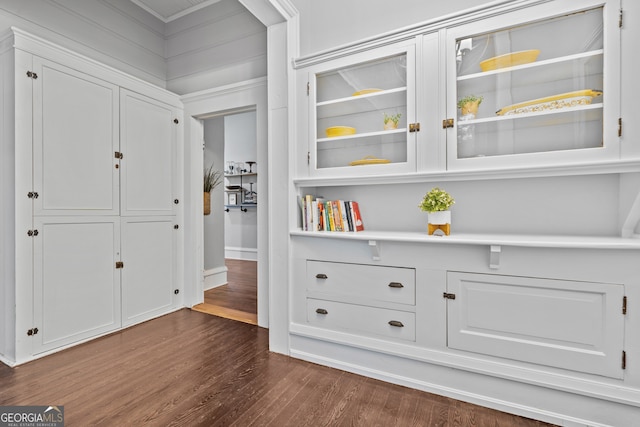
247, 254
9, 363
215, 277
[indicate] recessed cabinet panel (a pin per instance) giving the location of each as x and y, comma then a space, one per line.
75, 132
76, 284
361, 319
570, 325
363, 113
148, 164
148, 273
367, 282
537, 86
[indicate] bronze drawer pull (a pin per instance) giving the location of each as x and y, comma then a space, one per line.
396, 323
321, 276
321, 311
396, 285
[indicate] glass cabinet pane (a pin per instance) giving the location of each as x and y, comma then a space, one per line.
351, 106
539, 85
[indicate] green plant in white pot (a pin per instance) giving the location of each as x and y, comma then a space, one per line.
469, 105
391, 121
437, 203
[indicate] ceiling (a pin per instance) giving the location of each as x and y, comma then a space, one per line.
168, 10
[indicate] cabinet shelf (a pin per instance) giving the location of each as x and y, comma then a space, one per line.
520, 240
363, 135
534, 114
574, 169
372, 102
561, 67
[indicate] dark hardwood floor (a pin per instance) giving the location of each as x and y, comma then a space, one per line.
192, 369
238, 299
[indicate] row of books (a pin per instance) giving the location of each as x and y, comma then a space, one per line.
330, 215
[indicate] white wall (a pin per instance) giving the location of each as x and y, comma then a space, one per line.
241, 228
114, 32
218, 45
214, 223
327, 24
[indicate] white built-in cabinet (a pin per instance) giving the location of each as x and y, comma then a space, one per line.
533, 324
96, 199
544, 102
348, 101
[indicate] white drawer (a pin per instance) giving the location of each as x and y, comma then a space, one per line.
373, 282
362, 319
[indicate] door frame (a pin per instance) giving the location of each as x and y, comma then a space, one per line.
251, 94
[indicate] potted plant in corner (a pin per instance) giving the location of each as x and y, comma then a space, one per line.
437, 203
212, 178
391, 122
469, 105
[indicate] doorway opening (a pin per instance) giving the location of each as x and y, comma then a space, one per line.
230, 230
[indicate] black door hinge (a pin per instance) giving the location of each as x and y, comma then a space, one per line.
620, 19
620, 126
33, 331
448, 296
119, 264
32, 233
624, 305
624, 359
32, 195
32, 75
118, 155
308, 88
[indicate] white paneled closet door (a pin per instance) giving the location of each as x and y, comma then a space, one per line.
148, 273
75, 136
148, 167
76, 281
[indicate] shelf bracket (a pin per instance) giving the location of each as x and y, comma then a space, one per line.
494, 256
375, 250
632, 220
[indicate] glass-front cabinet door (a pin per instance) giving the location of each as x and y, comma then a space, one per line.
362, 114
531, 87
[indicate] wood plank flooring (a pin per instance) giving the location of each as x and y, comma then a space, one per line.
192, 369
237, 300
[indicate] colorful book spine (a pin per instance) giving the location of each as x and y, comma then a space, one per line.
357, 218
330, 215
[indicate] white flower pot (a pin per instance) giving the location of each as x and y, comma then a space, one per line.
439, 218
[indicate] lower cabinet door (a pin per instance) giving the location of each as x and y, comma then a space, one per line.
566, 324
148, 271
76, 284
362, 319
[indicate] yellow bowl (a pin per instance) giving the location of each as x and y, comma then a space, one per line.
366, 91
509, 60
334, 131
369, 160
